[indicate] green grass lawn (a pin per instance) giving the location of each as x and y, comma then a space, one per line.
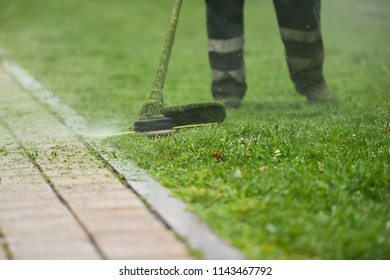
295, 181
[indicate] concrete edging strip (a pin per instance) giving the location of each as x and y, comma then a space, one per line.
171, 210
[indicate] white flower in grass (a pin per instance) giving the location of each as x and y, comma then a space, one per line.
238, 173
277, 155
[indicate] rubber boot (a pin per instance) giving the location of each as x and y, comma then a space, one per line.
300, 29
226, 50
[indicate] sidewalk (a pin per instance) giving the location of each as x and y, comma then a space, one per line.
58, 201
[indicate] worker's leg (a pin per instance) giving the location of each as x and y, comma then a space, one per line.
299, 23
226, 41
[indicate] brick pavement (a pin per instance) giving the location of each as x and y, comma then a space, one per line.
59, 201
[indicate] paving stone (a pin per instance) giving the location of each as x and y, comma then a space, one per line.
21, 195
25, 187
148, 247
40, 214
70, 178
124, 213
60, 150
67, 164
32, 179
16, 172
130, 237
78, 205
14, 161
37, 223
97, 187
142, 245
123, 224
65, 172
14, 165
99, 194
45, 127
29, 204
61, 182
55, 235
66, 249
45, 228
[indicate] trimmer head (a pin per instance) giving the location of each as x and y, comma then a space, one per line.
154, 127
197, 113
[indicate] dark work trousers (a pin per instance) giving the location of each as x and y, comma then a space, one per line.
299, 25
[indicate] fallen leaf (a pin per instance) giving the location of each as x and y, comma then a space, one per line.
263, 168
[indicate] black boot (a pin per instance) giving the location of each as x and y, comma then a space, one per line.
229, 91
226, 44
299, 25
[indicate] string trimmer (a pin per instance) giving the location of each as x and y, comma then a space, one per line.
155, 118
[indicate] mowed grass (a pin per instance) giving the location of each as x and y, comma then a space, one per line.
279, 179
